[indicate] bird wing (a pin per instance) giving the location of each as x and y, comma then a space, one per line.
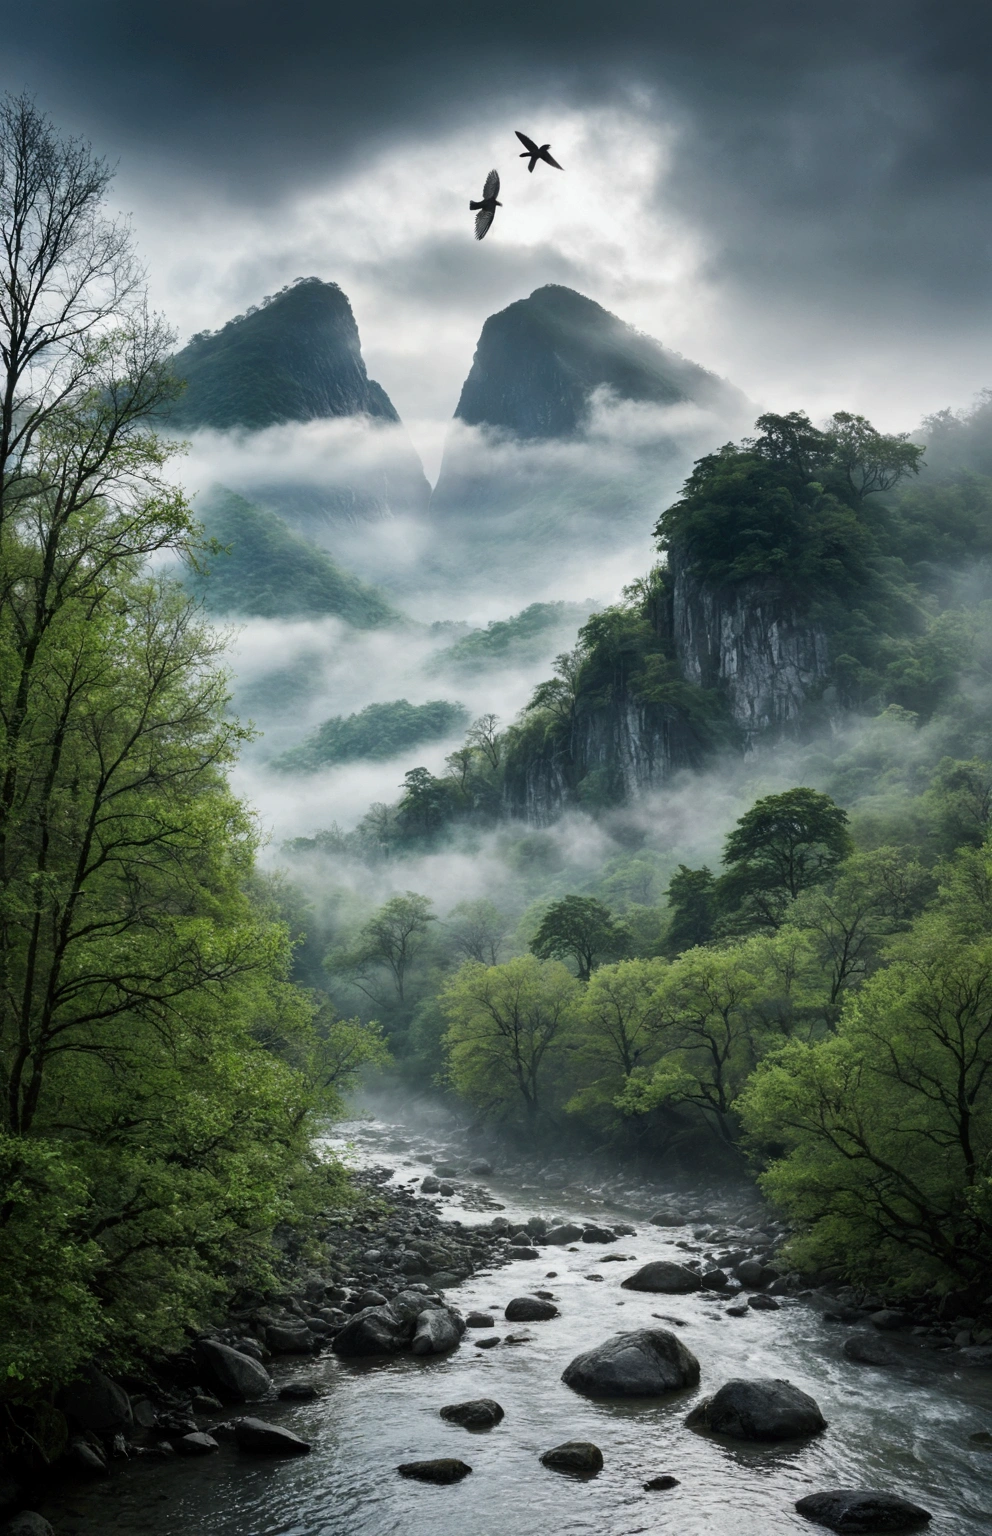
483, 220
491, 188
547, 156
528, 144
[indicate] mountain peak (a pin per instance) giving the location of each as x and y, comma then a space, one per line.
539, 360
294, 357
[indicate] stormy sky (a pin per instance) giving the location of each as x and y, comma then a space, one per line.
796, 196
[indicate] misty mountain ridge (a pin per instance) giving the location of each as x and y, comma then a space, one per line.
540, 360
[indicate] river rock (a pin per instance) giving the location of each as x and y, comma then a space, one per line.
445, 1188
95, 1402
660, 1484
196, 1444
763, 1303
647, 1363
263, 1439
888, 1319
437, 1331
753, 1274
976, 1354
478, 1413
488, 1343
27, 1523
714, 1279
567, 1233
848, 1509
430, 1185
530, 1309
598, 1235
237, 1376
442, 1469
371, 1299
667, 1216
298, 1392
480, 1166
867, 1351
446, 1170
283, 1340
86, 1458
480, 1320
759, 1410
664, 1278
574, 1456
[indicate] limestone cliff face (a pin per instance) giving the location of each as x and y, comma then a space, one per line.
753, 647
746, 643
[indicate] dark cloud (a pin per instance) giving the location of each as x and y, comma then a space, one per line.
836, 159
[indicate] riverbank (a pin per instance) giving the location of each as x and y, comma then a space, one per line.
474, 1247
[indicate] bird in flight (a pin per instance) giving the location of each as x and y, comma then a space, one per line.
536, 152
485, 211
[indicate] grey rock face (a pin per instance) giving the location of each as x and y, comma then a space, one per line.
478, 1413
95, 1402
647, 1363
530, 1309
759, 1410
853, 1510
574, 1456
263, 1439
750, 645
663, 1278
237, 1376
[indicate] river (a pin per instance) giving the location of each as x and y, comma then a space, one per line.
904, 1429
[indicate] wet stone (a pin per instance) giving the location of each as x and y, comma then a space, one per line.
854, 1510
574, 1456
477, 1413
442, 1469
489, 1343
530, 1309
480, 1320
262, 1439
197, 1444
660, 1484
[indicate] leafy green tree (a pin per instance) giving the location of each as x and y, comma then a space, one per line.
478, 931
426, 805
692, 902
507, 1026
883, 1133
615, 1032
387, 947
959, 802
582, 929
782, 846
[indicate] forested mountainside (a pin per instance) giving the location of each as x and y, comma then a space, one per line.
539, 360
296, 356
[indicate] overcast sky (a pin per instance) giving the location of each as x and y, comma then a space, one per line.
796, 196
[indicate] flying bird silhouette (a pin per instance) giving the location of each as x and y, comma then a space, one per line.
487, 208
536, 152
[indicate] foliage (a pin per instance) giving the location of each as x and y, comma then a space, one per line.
259, 568
692, 899
506, 1028
385, 950
782, 846
581, 929
378, 732
516, 640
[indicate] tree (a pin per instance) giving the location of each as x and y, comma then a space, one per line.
615, 1033
870, 461
478, 931
692, 902
582, 929
154, 1121
882, 1135
782, 846
426, 803
387, 946
506, 1027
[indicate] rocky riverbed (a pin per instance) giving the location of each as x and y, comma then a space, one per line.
462, 1281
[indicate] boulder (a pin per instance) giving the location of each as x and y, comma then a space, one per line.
298, 1392
445, 1188
759, 1410
381, 1330
524, 1253
848, 1509
667, 1216
887, 1319
867, 1351
480, 1166
478, 1413
567, 1233
372, 1299
86, 1458
574, 1456
95, 1402
236, 1376
430, 1185
714, 1279
753, 1274
196, 1444
598, 1235
446, 1170
442, 1469
480, 1320
530, 1309
27, 1523
646, 1363
437, 1331
284, 1340
659, 1484
263, 1439
664, 1278
762, 1303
